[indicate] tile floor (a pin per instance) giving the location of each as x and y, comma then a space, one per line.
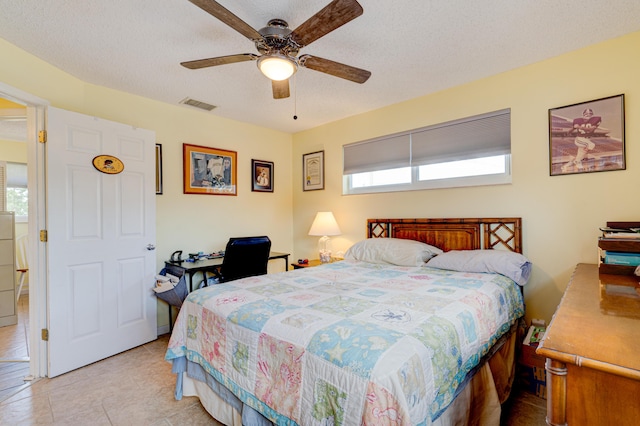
13, 346
136, 388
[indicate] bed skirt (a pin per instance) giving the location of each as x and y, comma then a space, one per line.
478, 402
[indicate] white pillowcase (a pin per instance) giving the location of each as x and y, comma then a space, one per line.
395, 251
510, 264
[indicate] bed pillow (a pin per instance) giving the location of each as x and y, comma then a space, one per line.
510, 264
393, 251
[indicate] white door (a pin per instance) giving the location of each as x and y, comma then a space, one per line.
101, 236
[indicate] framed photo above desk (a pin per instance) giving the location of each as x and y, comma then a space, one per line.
261, 176
209, 171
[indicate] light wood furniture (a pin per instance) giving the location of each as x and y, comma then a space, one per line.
453, 233
22, 264
592, 348
8, 304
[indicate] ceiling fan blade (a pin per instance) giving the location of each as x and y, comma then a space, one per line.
220, 60
332, 16
335, 69
280, 89
217, 11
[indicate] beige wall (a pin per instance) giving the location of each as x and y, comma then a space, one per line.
188, 222
561, 214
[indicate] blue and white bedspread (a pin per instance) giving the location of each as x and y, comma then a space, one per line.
346, 343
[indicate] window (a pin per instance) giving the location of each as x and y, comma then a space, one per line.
467, 152
17, 195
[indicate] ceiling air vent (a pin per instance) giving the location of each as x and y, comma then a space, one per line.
198, 104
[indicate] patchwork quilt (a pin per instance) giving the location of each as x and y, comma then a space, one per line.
346, 343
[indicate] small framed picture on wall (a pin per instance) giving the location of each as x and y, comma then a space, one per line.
261, 176
313, 171
158, 168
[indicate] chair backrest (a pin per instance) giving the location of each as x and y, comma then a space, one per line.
245, 257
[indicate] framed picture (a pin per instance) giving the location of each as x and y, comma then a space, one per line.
210, 171
261, 176
158, 168
313, 171
587, 137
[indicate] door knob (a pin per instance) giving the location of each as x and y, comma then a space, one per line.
151, 247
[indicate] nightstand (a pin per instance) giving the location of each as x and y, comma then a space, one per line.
312, 262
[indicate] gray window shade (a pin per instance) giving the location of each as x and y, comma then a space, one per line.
16, 175
380, 154
474, 137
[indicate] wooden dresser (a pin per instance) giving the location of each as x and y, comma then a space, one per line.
592, 348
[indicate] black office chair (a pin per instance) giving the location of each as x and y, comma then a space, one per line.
244, 257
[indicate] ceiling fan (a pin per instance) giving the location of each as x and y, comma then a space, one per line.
279, 46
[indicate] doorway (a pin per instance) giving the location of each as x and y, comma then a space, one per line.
14, 339
36, 302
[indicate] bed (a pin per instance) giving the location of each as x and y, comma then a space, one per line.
416, 326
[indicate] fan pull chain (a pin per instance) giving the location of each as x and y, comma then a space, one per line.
295, 98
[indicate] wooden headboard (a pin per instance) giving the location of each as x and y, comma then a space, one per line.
453, 234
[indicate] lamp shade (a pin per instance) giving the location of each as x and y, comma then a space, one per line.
324, 224
277, 67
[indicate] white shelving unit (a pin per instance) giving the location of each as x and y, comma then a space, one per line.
8, 305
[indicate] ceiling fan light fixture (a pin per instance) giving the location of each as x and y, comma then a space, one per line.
277, 67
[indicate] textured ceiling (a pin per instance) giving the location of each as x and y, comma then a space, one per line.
411, 47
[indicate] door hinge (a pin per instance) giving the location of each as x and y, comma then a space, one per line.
43, 235
45, 334
42, 136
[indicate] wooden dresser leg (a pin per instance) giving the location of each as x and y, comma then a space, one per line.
556, 393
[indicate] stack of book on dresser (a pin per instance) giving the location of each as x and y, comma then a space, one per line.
619, 269
619, 248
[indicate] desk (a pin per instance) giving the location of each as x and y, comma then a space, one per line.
189, 269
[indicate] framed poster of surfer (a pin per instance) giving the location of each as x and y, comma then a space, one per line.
587, 137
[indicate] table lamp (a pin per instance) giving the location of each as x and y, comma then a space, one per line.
324, 225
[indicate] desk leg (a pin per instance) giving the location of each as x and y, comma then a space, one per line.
286, 263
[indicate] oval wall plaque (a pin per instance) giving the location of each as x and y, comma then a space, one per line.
108, 164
